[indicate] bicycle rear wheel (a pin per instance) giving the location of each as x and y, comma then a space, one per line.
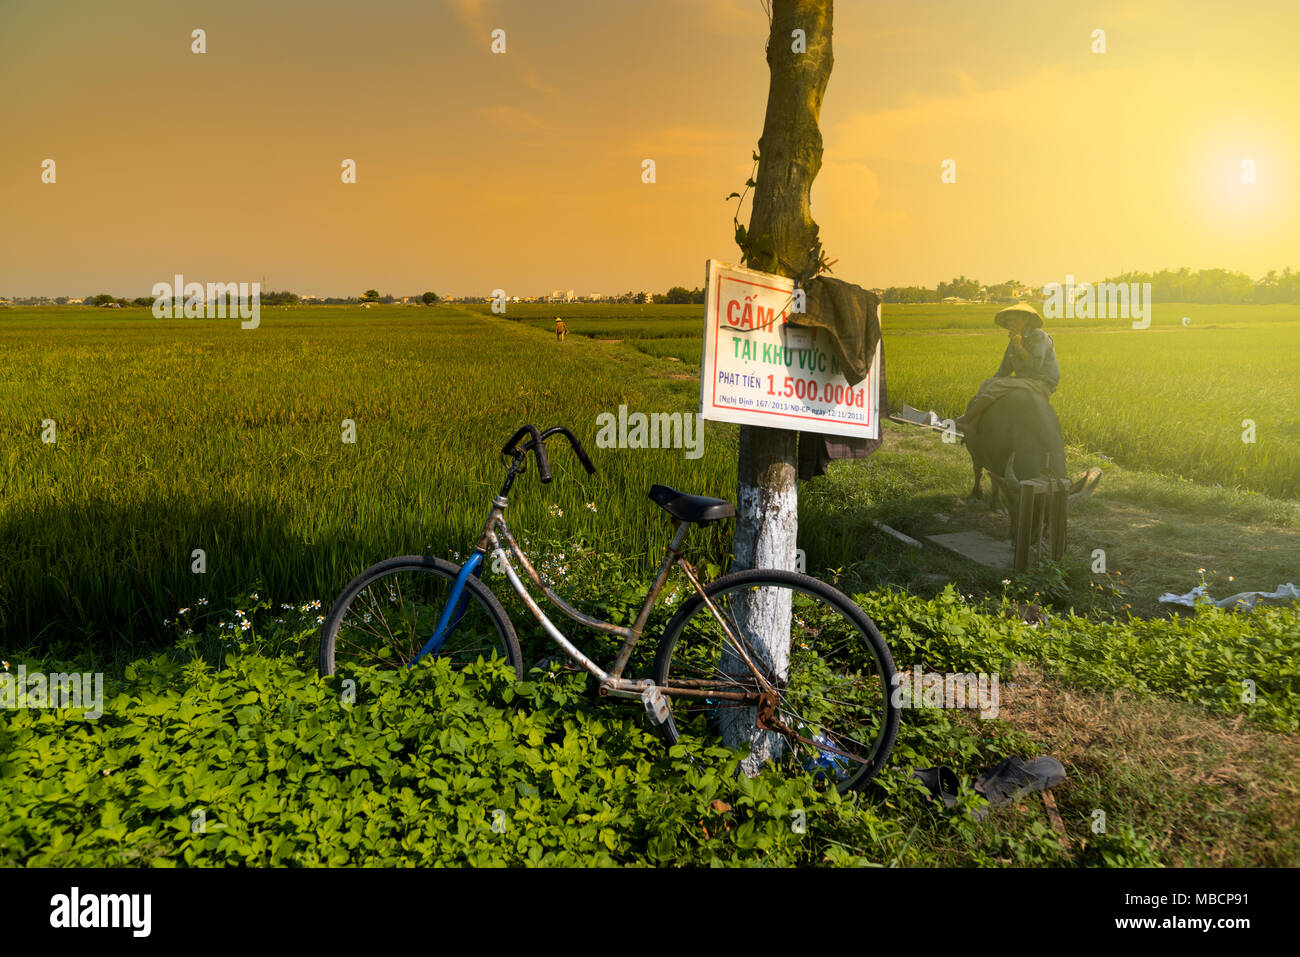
386, 615
829, 712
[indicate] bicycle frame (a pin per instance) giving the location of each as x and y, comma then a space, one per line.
496, 532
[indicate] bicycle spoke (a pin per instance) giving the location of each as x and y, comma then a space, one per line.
824, 676
389, 619
363, 626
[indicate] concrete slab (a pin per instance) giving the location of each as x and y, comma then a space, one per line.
977, 547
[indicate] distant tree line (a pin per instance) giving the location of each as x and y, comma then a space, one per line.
1217, 285
961, 287
681, 296
372, 295
1167, 285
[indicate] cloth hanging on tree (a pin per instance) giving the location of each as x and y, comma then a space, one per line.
849, 314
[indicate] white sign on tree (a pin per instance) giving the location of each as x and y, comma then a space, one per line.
761, 368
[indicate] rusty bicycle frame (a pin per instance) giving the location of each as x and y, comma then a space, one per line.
612, 682
497, 540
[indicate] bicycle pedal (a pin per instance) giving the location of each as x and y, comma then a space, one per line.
655, 705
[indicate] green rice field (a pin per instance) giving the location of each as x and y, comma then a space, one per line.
177, 435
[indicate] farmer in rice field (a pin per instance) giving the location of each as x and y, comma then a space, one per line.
561, 330
1028, 363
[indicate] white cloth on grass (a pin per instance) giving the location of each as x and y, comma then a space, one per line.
1245, 599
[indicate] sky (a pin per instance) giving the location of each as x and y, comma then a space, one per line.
522, 170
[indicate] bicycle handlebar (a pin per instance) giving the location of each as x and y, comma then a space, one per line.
578, 450
537, 444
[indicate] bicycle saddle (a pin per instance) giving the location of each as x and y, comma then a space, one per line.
691, 508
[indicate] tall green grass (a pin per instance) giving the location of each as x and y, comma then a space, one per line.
176, 435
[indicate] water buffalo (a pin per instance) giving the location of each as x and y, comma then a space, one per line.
1018, 437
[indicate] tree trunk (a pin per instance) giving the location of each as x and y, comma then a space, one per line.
783, 240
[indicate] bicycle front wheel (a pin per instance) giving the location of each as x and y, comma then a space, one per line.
387, 614
824, 704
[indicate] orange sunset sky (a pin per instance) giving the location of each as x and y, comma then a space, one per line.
523, 170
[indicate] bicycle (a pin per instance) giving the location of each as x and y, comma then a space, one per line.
776, 659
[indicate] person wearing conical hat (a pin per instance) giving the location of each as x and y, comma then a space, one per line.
1030, 353
1028, 363
561, 330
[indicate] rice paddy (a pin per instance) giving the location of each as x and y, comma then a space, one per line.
175, 437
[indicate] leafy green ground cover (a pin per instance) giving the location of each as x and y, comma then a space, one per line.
228, 750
